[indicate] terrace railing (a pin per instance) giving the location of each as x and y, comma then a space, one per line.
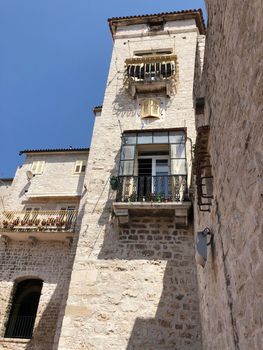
40, 220
150, 69
150, 73
160, 189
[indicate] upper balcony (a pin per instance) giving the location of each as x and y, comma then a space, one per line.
151, 74
54, 225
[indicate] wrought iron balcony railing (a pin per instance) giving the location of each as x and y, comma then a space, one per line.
40, 220
150, 73
150, 69
165, 188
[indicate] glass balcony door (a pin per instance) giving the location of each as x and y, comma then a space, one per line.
160, 174
153, 176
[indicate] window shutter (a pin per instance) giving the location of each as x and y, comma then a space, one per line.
155, 108
150, 108
83, 166
80, 166
146, 108
38, 167
34, 167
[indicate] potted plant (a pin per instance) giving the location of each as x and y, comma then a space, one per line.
159, 197
133, 197
5, 224
16, 222
114, 182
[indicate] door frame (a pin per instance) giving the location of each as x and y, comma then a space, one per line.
154, 158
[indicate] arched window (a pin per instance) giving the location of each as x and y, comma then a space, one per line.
24, 309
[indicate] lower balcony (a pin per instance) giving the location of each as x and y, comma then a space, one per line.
58, 225
158, 189
163, 195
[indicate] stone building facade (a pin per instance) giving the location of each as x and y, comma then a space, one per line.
126, 276
231, 291
133, 284
5, 186
37, 232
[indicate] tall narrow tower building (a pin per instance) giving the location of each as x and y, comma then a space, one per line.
133, 284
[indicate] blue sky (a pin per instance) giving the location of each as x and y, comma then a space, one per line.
54, 60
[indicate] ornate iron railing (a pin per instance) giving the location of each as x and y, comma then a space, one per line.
20, 327
40, 220
160, 189
151, 69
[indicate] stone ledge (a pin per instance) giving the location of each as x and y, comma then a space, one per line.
173, 209
35, 236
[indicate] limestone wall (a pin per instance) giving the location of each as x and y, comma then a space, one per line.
57, 180
50, 262
231, 283
139, 291
134, 288
5, 190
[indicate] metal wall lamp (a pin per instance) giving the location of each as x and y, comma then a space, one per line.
203, 240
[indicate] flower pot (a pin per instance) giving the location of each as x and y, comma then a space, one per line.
114, 183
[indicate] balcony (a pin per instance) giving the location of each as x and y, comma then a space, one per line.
165, 195
155, 189
151, 74
40, 224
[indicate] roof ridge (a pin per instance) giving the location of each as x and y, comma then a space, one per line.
54, 150
156, 14
197, 12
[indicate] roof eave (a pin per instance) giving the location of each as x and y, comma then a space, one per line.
167, 16
59, 150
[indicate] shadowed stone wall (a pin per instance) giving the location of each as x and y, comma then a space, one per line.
141, 292
231, 282
49, 261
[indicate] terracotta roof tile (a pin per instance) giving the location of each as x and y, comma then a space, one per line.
54, 150
197, 14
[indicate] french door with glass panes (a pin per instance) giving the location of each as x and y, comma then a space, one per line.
153, 176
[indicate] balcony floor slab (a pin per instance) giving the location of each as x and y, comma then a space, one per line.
39, 236
177, 209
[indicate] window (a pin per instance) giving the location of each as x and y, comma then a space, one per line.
38, 167
24, 309
150, 108
153, 52
156, 26
80, 166
153, 164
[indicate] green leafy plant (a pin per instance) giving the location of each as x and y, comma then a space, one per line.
114, 182
159, 197
133, 197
